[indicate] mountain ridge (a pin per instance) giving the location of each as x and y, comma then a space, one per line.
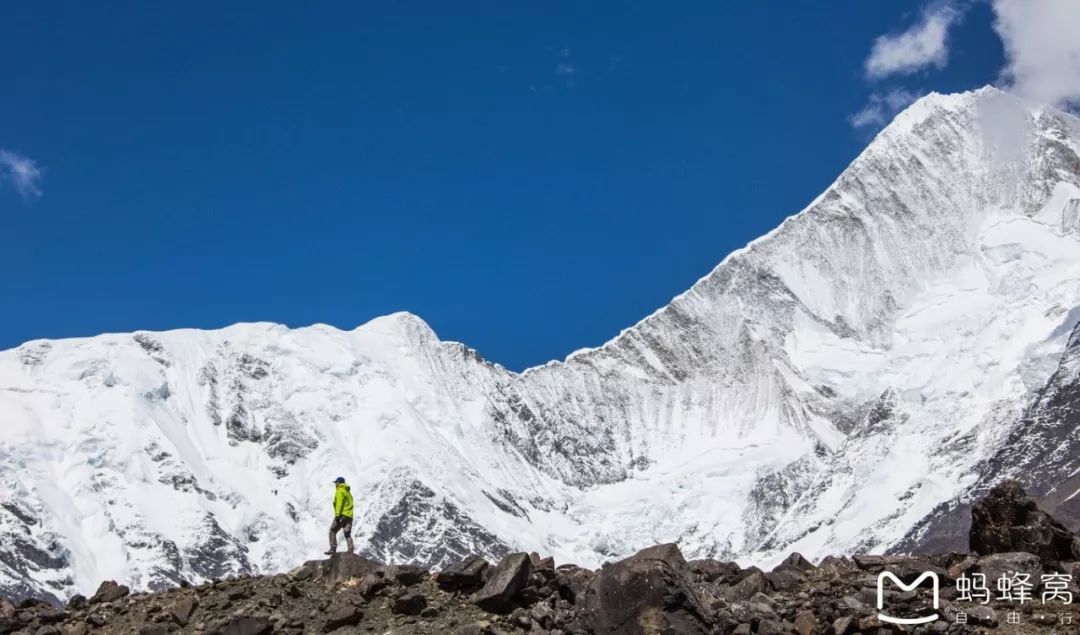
754, 413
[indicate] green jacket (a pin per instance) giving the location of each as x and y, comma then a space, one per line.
343, 501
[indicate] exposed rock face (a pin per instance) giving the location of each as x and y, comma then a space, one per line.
649, 592
1007, 520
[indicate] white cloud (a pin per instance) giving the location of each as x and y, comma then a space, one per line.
1042, 48
565, 69
21, 172
882, 107
924, 44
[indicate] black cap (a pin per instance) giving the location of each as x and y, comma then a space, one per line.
340, 479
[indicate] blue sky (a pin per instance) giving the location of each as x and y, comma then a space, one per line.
527, 177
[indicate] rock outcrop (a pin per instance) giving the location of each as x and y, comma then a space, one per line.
1008, 520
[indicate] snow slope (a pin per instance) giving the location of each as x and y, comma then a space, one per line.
827, 388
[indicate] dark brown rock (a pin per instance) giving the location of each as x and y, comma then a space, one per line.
747, 587
783, 580
982, 616
836, 562
50, 615
77, 602
714, 570
109, 591
844, 625
404, 574
184, 608
343, 616
409, 604
466, 574
1007, 520
246, 625
795, 562
906, 568
345, 566
571, 582
649, 592
805, 623
372, 584
997, 565
504, 584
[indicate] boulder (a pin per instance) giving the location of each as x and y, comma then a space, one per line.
310, 570
572, 581
714, 570
246, 625
342, 616
795, 562
906, 568
77, 602
747, 587
649, 592
541, 564
1007, 520
997, 565
404, 574
409, 604
109, 591
805, 623
844, 625
982, 616
184, 608
465, 574
508, 579
783, 580
346, 566
836, 562
742, 574
371, 584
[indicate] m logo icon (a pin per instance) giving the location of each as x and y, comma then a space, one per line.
906, 587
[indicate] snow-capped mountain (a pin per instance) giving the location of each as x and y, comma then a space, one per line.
842, 383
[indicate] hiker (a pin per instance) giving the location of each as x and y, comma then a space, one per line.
343, 512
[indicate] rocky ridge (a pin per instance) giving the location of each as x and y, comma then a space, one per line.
654, 591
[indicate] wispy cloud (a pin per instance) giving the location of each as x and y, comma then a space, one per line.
565, 69
882, 107
1042, 54
1042, 49
924, 44
20, 172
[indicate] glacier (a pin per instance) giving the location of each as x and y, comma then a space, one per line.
844, 383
